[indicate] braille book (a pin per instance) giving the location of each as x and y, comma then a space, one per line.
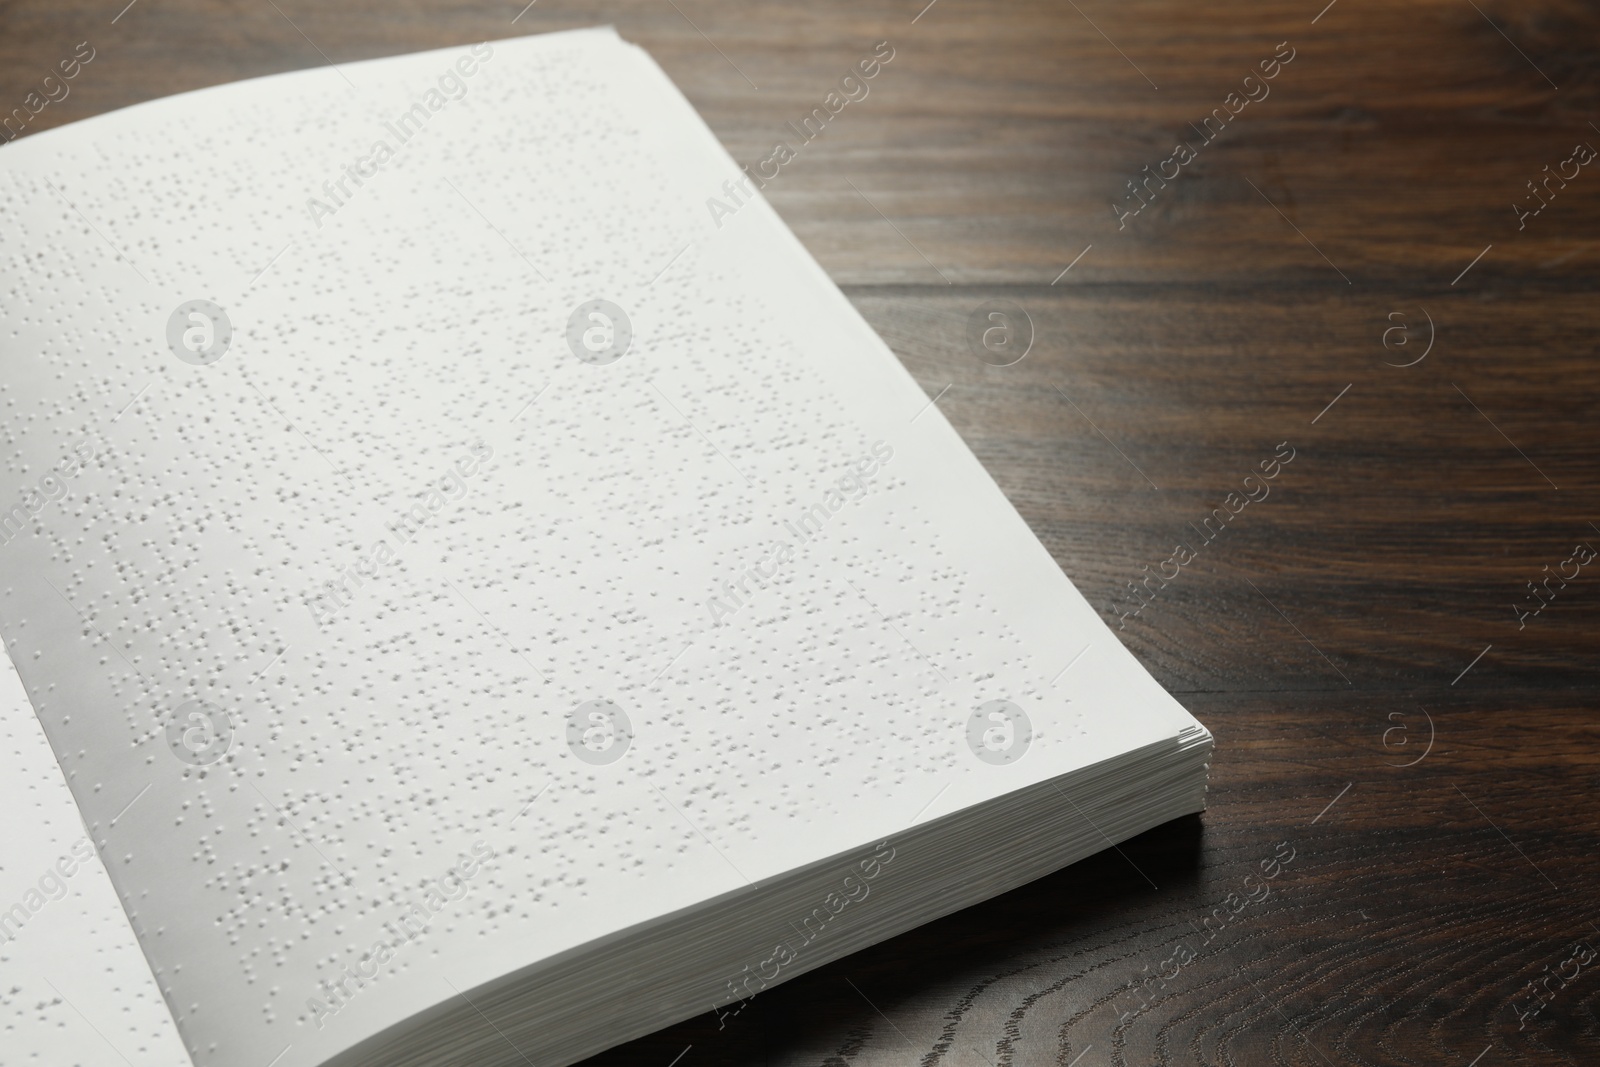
486, 593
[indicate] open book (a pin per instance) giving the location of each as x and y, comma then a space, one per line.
487, 591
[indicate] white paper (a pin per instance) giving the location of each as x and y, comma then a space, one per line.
74, 989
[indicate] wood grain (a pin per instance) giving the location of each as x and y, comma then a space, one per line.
1371, 594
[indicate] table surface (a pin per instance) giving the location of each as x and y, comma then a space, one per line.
1343, 267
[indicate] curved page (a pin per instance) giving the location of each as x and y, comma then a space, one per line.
74, 989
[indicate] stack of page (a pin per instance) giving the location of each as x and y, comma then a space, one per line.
488, 593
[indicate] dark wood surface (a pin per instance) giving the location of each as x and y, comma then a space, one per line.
1373, 593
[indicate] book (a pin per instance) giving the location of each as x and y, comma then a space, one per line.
487, 591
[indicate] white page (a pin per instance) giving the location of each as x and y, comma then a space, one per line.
74, 989
377, 342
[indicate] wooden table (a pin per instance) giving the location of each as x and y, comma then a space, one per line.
1340, 267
